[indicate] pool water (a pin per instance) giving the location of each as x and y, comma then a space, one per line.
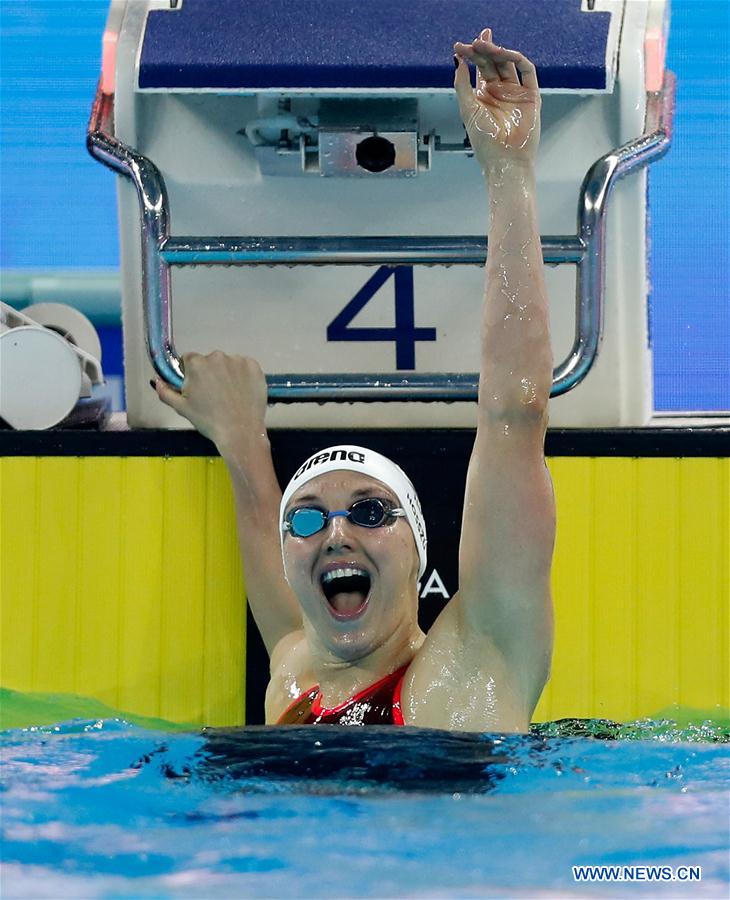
105, 808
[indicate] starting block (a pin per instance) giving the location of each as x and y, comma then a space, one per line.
298, 187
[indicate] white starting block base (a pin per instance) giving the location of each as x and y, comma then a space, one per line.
280, 315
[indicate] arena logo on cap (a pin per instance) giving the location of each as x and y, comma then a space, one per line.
330, 456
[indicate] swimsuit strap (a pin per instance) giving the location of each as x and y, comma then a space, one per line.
300, 711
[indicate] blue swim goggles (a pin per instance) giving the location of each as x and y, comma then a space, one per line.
304, 521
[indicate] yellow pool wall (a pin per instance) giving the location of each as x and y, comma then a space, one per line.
121, 580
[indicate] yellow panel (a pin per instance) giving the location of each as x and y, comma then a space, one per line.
614, 599
657, 594
57, 536
141, 577
703, 589
640, 587
224, 655
572, 589
97, 627
17, 570
183, 586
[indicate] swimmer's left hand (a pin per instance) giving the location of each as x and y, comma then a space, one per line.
502, 116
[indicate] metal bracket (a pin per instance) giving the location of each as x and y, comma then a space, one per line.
585, 249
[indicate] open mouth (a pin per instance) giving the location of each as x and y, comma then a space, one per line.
346, 591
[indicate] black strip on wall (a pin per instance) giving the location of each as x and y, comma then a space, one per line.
656, 442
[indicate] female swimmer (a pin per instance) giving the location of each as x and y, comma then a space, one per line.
332, 565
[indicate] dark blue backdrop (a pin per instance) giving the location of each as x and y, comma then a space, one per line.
57, 206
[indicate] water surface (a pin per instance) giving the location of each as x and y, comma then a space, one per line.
104, 808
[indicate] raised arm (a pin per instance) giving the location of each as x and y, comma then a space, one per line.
225, 399
508, 525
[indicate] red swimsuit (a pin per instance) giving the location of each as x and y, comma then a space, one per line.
378, 704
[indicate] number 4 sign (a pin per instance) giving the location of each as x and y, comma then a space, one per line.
404, 335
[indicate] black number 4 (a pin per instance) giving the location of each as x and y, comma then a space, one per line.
404, 335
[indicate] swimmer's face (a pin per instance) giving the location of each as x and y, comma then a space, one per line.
357, 586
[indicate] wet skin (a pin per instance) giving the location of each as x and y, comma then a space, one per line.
386, 631
486, 659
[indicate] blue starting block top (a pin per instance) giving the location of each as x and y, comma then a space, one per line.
377, 44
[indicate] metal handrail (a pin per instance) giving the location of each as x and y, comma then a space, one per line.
585, 249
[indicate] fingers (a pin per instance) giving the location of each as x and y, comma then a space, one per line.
491, 56
486, 66
169, 395
463, 88
503, 64
512, 62
209, 372
166, 392
496, 63
528, 74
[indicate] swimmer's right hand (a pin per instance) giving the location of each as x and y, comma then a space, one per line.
223, 396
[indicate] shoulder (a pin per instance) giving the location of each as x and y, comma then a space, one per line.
291, 674
460, 680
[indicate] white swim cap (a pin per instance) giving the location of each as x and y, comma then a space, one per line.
367, 462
